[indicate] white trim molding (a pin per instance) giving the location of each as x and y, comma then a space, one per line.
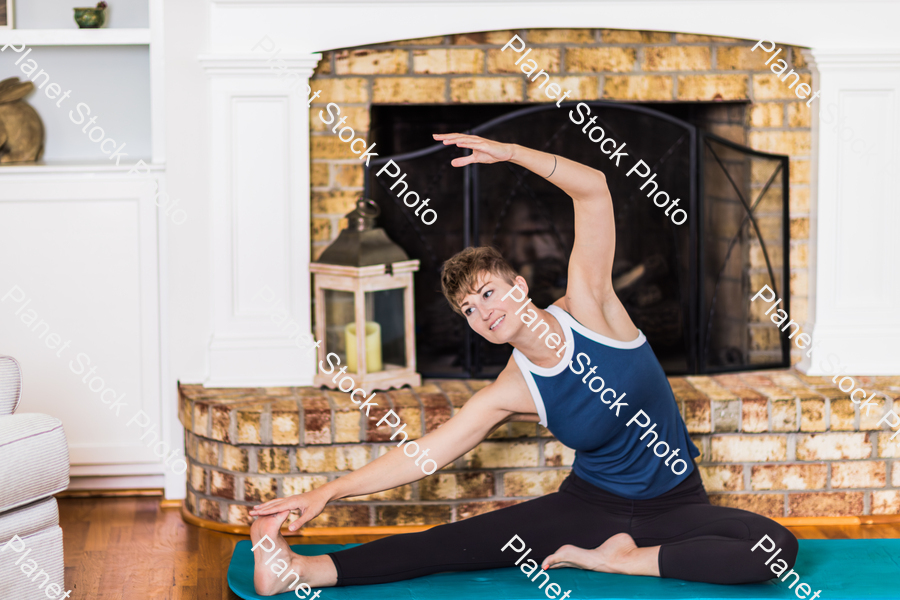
91, 239
269, 63
304, 26
855, 285
260, 203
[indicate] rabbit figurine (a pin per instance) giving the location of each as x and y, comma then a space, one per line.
21, 129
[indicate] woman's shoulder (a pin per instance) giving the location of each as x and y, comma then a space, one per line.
608, 323
510, 389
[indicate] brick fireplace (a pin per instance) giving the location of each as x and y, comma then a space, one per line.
662, 69
778, 443
271, 196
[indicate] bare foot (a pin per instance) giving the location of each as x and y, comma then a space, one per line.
618, 554
265, 533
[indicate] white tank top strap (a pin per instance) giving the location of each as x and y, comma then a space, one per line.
529, 369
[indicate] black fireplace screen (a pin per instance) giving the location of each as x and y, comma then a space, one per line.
687, 287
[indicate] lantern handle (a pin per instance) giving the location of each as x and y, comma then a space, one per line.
362, 218
362, 205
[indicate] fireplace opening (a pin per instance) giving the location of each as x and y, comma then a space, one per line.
687, 287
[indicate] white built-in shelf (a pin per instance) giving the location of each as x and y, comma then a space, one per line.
76, 37
82, 167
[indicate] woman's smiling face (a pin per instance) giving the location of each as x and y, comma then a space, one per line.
487, 313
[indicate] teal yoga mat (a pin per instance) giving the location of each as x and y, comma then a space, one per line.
842, 569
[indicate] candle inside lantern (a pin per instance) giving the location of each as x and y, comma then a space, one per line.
373, 346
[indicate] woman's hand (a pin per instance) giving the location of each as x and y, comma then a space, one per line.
483, 151
309, 504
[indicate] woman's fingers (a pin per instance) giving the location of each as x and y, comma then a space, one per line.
268, 507
455, 138
478, 156
458, 138
261, 509
474, 145
483, 151
270, 511
271, 507
450, 136
307, 513
465, 160
296, 525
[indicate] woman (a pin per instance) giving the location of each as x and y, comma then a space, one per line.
634, 502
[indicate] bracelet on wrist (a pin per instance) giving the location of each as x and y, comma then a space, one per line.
554, 168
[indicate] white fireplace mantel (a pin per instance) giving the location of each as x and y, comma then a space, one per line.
260, 208
259, 182
312, 26
855, 271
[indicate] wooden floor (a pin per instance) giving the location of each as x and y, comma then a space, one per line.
130, 549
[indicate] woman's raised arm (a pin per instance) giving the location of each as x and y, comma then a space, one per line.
577, 180
590, 266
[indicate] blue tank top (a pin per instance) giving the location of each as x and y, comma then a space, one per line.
588, 400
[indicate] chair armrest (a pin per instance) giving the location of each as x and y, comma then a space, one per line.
34, 459
10, 385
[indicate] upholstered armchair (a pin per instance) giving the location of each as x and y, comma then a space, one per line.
34, 465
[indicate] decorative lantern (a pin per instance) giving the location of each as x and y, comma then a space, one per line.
363, 286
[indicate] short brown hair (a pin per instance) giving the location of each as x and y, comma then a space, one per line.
460, 272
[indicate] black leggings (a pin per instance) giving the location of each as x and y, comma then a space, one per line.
699, 542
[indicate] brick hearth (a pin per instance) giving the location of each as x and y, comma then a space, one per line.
778, 443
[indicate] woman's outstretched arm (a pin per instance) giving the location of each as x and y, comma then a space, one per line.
474, 422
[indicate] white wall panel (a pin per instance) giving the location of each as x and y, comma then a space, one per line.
863, 202
84, 252
261, 202
856, 282
259, 182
